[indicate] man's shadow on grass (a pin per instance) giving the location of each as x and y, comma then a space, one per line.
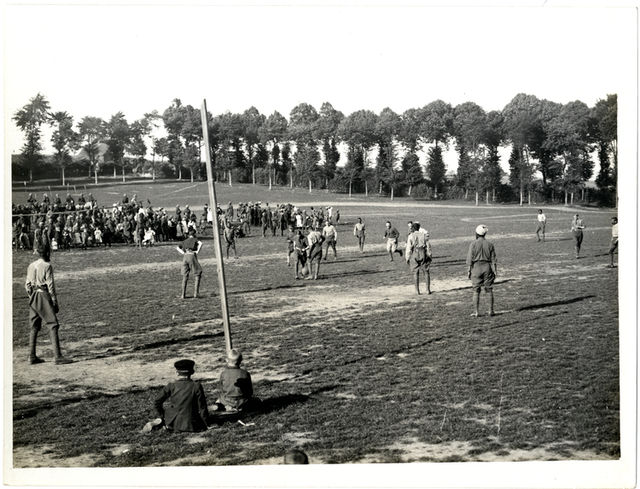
350, 274
555, 303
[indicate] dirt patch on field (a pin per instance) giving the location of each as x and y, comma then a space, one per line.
36, 456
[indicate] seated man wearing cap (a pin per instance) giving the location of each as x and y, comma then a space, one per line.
483, 268
187, 404
235, 390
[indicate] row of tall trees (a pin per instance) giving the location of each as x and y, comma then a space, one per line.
550, 142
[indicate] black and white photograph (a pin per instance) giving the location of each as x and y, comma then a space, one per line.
346, 244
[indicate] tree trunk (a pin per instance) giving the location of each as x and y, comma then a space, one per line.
435, 191
115, 175
253, 173
191, 172
380, 190
153, 167
123, 179
466, 193
269, 180
291, 179
566, 197
349, 188
95, 174
366, 189
410, 188
487, 197
493, 197
571, 198
529, 197
63, 175
582, 197
477, 198
230, 184
391, 192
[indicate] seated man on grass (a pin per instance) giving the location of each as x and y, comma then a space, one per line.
235, 390
187, 404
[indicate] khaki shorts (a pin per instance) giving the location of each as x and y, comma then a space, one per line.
482, 276
392, 245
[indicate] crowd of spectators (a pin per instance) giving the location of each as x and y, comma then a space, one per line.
83, 223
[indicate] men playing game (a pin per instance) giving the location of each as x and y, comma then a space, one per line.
190, 248
43, 304
483, 268
419, 247
542, 223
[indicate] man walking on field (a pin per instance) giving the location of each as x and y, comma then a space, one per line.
391, 234
542, 222
576, 228
483, 268
359, 233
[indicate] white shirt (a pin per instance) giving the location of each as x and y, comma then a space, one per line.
542, 218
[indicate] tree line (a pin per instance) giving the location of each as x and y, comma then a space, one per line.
552, 146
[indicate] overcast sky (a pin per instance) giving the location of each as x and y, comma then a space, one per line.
97, 60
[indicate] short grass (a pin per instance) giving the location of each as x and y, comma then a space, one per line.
351, 368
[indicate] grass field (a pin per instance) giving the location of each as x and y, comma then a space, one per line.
353, 367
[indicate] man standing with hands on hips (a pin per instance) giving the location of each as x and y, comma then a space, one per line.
482, 268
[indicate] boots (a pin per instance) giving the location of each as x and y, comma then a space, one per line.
55, 343
33, 359
196, 288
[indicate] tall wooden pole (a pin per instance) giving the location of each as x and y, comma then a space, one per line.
213, 204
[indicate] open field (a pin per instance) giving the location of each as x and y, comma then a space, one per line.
353, 368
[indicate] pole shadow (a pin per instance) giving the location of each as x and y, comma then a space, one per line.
556, 303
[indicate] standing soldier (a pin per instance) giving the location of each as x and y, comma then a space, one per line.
418, 245
291, 238
330, 234
190, 248
359, 233
576, 228
264, 221
300, 246
614, 239
315, 240
43, 304
230, 237
229, 213
542, 223
391, 235
483, 268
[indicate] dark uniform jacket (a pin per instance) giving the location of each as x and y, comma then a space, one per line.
187, 406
